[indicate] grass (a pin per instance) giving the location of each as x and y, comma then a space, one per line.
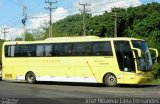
156, 81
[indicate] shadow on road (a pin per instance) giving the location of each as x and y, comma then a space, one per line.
65, 84
137, 86
72, 84
89, 84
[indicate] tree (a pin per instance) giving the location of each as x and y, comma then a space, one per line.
140, 22
29, 37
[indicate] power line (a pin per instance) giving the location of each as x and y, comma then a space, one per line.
13, 1
20, 2
64, 8
32, 10
14, 31
15, 23
30, 16
9, 21
71, 8
34, 13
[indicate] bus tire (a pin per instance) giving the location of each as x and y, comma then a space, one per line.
110, 80
30, 78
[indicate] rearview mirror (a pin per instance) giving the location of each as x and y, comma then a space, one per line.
154, 54
153, 49
137, 52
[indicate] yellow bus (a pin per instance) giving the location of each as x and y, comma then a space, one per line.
88, 59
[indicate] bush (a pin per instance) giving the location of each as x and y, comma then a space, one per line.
156, 68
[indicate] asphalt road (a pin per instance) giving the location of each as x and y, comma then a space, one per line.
73, 93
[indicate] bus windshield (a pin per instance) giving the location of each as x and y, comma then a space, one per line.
145, 62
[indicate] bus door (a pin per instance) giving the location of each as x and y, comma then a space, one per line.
125, 60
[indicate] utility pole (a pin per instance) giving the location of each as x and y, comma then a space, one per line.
24, 20
115, 16
84, 11
115, 24
50, 21
4, 31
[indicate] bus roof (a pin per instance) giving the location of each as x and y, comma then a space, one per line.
72, 39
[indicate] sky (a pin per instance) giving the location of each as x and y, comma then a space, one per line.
11, 12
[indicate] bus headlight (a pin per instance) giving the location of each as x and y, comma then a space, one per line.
140, 74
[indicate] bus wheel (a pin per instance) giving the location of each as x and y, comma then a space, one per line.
110, 80
31, 78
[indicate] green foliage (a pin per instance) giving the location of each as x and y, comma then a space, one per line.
139, 22
156, 68
72, 25
18, 39
29, 37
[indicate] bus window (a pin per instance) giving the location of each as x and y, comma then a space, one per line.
67, 49
57, 49
87, 49
23, 51
78, 49
102, 49
48, 50
81, 49
40, 50
16, 51
12, 51
32, 50
108, 60
124, 56
7, 51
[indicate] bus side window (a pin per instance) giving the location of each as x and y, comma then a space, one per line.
81, 49
48, 50
102, 49
87, 49
16, 51
57, 49
23, 50
31, 50
67, 49
40, 50
77, 49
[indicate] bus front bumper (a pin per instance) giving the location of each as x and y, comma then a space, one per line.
143, 80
